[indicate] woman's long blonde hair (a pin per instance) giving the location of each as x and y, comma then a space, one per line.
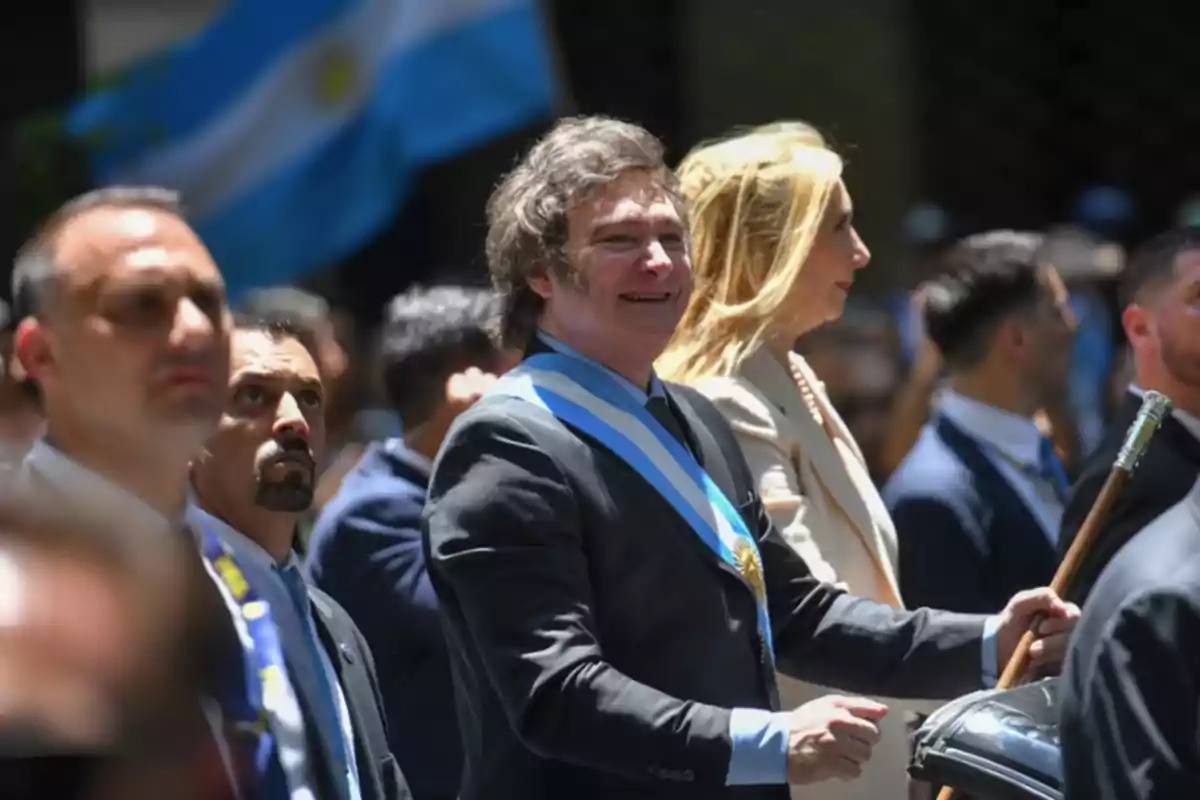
756, 204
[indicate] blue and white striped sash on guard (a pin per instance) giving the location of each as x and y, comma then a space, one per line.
589, 398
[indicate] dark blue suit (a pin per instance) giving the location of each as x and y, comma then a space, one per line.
365, 551
967, 541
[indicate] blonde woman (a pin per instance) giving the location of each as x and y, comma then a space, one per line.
774, 254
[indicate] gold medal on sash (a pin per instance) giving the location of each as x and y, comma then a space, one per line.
745, 555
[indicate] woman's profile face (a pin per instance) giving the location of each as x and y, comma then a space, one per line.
837, 253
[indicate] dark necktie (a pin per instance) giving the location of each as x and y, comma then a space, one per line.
660, 409
1052, 470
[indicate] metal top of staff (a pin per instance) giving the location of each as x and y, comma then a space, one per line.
1155, 407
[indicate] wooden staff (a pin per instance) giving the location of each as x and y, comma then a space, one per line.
1155, 407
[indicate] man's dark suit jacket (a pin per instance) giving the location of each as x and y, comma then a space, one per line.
366, 552
967, 540
1130, 696
379, 777
1165, 474
598, 645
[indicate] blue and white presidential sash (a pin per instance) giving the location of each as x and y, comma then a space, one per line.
588, 397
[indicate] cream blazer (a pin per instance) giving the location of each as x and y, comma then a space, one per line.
814, 483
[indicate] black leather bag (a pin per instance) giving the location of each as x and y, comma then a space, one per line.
994, 745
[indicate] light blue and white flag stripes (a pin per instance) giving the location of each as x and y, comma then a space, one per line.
293, 127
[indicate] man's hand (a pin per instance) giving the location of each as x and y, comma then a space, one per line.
1054, 631
464, 388
832, 737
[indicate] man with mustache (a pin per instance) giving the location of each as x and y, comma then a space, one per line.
252, 480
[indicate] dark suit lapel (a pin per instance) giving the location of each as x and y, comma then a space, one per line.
712, 460
302, 670
352, 675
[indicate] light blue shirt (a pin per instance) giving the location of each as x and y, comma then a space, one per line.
759, 738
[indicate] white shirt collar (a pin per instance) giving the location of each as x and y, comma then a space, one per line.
1013, 435
45, 466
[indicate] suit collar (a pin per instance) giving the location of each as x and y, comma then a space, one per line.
775, 382
782, 387
711, 459
47, 467
545, 343
247, 548
403, 462
1013, 435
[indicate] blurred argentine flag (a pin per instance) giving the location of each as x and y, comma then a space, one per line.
293, 127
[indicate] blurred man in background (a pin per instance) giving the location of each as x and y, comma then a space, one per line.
437, 357
977, 502
21, 421
124, 328
1160, 299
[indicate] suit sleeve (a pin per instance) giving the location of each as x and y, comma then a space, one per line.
504, 537
373, 563
825, 636
775, 478
1140, 706
942, 561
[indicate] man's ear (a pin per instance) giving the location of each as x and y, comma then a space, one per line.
541, 282
31, 348
1010, 337
1135, 320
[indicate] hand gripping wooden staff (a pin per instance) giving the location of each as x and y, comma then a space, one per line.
1155, 407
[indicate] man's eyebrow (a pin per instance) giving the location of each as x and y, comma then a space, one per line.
269, 375
617, 222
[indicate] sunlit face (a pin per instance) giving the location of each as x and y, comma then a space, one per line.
630, 273
837, 253
133, 344
1167, 325
272, 435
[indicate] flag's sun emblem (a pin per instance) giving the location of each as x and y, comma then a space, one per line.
338, 78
